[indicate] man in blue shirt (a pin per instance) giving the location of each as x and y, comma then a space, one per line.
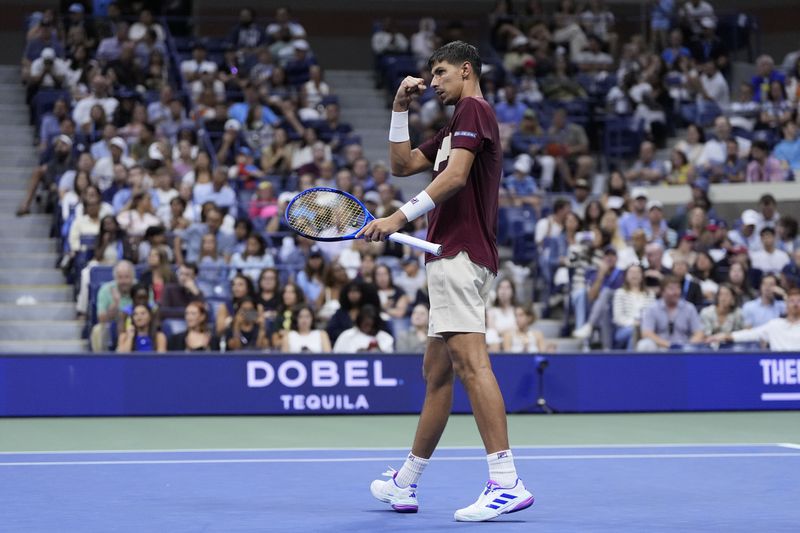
671, 322
240, 110
766, 307
788, 150
766, 73
636, 219
193, 238
510, 110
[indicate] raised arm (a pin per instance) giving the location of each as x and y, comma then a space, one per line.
404, 160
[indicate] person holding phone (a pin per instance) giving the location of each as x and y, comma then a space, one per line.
247, 331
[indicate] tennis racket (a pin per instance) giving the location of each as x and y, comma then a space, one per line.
325, 214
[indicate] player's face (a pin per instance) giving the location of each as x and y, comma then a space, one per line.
447, 81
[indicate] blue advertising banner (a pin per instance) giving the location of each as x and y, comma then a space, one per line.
119, 385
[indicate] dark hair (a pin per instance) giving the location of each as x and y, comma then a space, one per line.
729, 287
455, 53
296, 313
301, 296
371, 312
767, 229
671, 279
250, 289
701, 134
513, 292
369, 295
790, 226
767, 198
560, 204
191, 266
761, 145
262, 244
152, 329
248, 224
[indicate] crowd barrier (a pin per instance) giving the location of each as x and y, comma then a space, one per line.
259, 384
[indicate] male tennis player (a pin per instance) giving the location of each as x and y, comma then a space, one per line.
461, 204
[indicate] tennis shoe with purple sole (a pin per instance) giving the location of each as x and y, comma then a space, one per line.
402, 499
495, 501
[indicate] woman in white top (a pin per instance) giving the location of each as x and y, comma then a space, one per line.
523, 338
630, 301
253, 259
138, 216
366, 335
693, 145
302, 337
501, 316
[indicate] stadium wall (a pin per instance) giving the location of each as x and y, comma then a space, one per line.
258, 384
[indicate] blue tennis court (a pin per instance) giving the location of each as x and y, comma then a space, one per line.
578, 488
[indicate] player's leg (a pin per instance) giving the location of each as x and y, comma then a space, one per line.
437, 370
400, 490
505, 492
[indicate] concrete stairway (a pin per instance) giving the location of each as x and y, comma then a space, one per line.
37, 313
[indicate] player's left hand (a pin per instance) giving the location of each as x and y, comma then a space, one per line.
380, 228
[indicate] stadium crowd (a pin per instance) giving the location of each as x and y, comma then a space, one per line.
168, 161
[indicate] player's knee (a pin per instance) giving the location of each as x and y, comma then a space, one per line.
438, 376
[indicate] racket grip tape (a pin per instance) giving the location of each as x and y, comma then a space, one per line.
429, 247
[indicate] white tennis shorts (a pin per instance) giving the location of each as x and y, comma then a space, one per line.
459, 294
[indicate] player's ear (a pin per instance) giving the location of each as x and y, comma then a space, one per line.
466, 69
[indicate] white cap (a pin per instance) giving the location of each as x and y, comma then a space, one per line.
48, 53
523, 164
233, 124
119, 142
639, 192
655, 204
301, 44
372, 196
749, 217
65, 139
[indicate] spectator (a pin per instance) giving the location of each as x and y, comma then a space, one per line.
520, 185
291, 297
724, 316
768, 214
145, 23
394, 302
776, 110
247, 331
690, 289
715, 150
47, 176
110, 48
670, 54
388, 40
661, 17
415, 339
197, 337
782, 334
283, 21
705, 273
788, 150
600, 294
142, 334
769, 259
761, 310
303, 337
425, 41
138, 216
692, 145
551, 226
707, 46
253, 259
710, 88
268, 291
311, 278
647, 169
763, 166
523, 338
500, 316
192, 237
352, 297
746, 235
568, 143
103, 171
637, 218
178, 294
412, 278
629, 303
246, 35
241, 287
734, 167
87, 223
365, 335
191, 68
766, 73
786, 232
111, 298
670, 322
158, 274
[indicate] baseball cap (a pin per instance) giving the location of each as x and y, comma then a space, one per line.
119, 142
76, 8
315, 251
245, 150
609, 250
372, 196
65, 139
582, 184
708, 22
286, 197
529, 113
655, 204
523, 164
154, 153
48, 53
639, 192
749, 217
301, 44
233, 124
519, 40
689, 236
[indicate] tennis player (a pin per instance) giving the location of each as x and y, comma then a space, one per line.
461, 204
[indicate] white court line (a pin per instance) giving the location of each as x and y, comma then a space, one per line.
389, 459
400, 448
790, 445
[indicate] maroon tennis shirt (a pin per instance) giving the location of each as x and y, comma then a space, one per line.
467, 221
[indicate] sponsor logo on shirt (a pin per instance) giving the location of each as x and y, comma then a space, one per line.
466, 134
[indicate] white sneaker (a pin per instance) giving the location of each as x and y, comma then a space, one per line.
495, 501
402, 499
583, 332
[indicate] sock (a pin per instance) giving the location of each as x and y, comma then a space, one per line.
501, 468
411, 470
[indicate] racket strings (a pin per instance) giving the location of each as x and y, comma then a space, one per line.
325, 214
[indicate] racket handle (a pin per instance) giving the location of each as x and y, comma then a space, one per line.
402, 238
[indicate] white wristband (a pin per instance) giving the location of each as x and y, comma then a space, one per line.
398, 129
417, 206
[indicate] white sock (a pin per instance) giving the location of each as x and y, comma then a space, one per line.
411, 470
501, 468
